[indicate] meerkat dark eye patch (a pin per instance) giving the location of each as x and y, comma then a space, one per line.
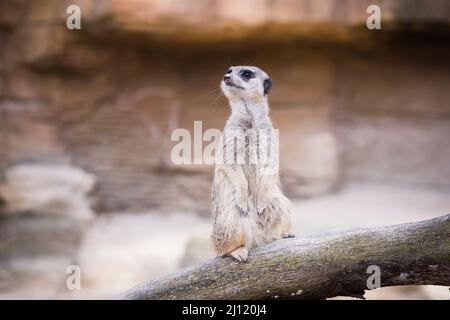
247, 74
228, 71
267, 85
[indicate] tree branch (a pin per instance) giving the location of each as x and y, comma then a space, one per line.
314, 268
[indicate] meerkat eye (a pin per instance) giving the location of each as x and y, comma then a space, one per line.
228, 71
247, 74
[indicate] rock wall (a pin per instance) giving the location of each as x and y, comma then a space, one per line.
351, 104
86, 118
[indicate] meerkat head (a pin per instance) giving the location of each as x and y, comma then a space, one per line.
245, 82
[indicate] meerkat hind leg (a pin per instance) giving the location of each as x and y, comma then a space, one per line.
240, 254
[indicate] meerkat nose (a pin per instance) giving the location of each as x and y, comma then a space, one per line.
226, 78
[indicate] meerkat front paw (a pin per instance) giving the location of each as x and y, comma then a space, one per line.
260, 211
240, 200
242, 211
241, 206
261, 208
240, 254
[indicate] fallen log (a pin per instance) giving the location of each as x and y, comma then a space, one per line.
316, 268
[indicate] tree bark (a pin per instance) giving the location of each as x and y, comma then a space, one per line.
316, 268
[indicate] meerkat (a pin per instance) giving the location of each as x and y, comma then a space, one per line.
247, 204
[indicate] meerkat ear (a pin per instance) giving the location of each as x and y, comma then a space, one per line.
267, 85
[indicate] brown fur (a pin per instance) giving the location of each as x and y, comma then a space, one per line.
248, 207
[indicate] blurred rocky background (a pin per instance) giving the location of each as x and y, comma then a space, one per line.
86, 118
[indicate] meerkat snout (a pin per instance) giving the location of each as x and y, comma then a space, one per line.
245, 82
